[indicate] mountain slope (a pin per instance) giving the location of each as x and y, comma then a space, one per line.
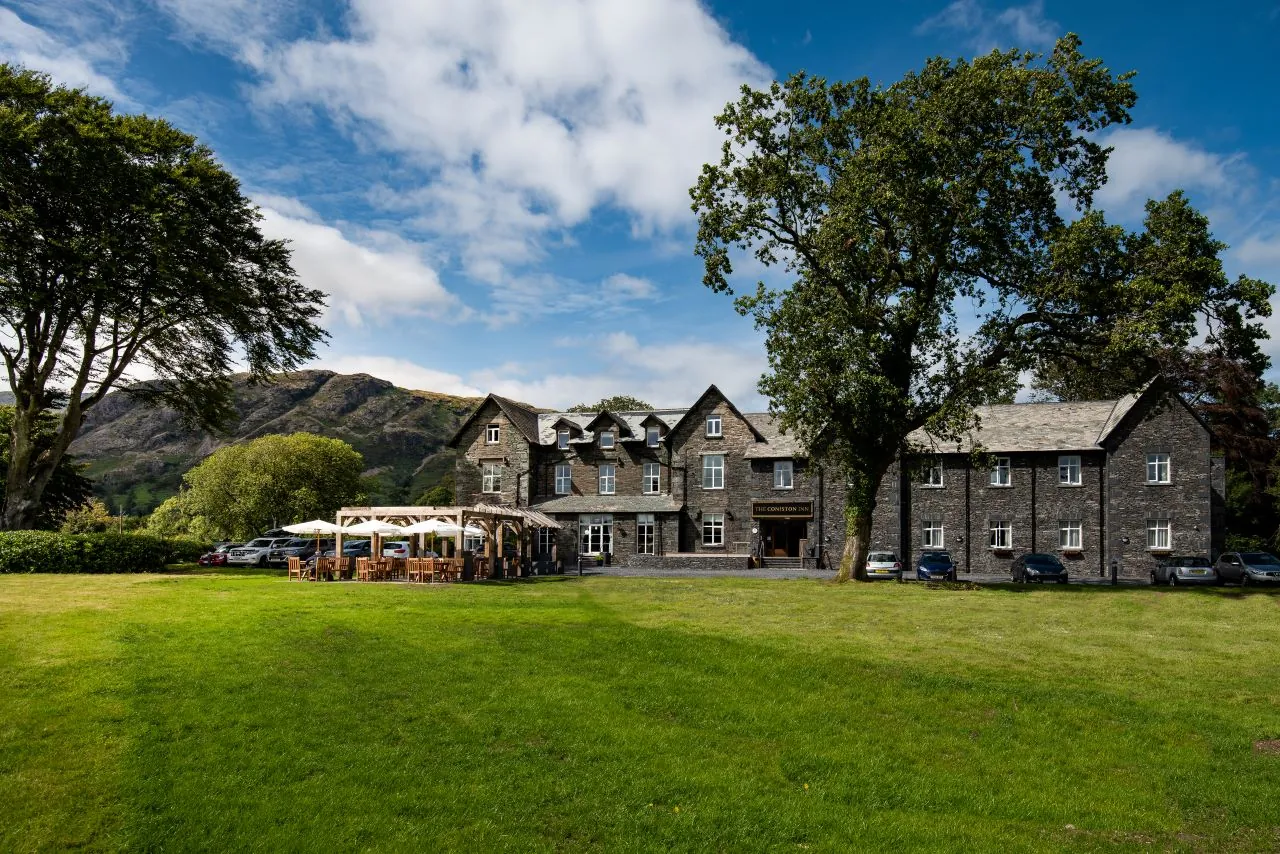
137, 455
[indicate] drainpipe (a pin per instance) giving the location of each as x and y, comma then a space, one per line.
822, 519
1033, 501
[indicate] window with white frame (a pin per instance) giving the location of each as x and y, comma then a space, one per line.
1000, 472
783, 473
714, 425
596, 533
931, 534
564, 479
644, 534
608, 478
651, 480
651, 437
1069, 471
491, 434
546, 541
933, 473
1158, 468
713, 529
606, 439
491, 477
562, 439
1159, 534
1070, 535
1001, 534
473, 542
713, 471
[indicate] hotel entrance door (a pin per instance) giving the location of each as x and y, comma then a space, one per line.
781, 537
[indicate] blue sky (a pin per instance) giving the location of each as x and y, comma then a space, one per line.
494, 192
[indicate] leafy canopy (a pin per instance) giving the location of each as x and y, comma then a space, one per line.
241, 490
124, 244
68, 489
919, 225
617, 403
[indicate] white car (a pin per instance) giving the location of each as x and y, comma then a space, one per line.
884, 565
255, 552
395, 548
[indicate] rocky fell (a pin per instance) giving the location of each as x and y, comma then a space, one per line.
137, 455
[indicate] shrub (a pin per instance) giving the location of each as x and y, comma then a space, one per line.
49, 551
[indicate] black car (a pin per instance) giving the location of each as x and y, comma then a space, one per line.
934, 566
1038, 567
299, 548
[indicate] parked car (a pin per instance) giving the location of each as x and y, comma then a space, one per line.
934, 566
884, 565
1184, 569
218, 556
395, 548
255, 552
353, 548
299, 547
1038, 567
1249, 568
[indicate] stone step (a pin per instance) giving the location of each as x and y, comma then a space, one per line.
783, 563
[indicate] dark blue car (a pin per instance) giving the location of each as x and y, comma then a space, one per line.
935, 566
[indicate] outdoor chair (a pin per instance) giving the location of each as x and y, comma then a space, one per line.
296, 569
398, 568
325, 567
364, 569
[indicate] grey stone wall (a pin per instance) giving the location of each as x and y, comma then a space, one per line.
1166, 426
734, 501
512, 451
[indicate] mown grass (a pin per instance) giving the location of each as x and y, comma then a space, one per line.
228, 712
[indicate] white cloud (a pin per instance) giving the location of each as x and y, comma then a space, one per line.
1262, 251
1149, 163
668, 374
366, 275
78, 66
985, 29
402, 372
522, 118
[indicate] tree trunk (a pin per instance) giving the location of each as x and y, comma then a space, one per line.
859, 509
21, 498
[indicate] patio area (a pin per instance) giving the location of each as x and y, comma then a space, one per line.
446, 544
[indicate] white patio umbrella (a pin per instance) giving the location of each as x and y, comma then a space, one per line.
374, 526
315, 526
428, 526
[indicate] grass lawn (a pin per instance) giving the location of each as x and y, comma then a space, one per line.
225, 712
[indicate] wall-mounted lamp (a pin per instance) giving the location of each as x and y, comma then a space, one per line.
960, 539
1124, 541
728, 514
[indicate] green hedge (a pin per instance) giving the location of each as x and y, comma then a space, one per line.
49, 551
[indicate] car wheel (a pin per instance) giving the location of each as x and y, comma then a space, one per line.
262, 561
1244, 579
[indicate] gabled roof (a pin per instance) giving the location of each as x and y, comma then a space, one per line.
624, 427
523, 418
565, 422
653, 417
549, 422
711, 389
777, 444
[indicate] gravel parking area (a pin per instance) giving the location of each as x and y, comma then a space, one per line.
819, 574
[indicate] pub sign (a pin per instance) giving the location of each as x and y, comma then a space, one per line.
781, 509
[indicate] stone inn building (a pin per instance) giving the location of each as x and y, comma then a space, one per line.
707, 486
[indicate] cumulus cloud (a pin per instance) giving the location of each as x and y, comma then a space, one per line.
366, 273
402, 372
985, 29
669, 374
1151, 163
521, 118
73, 65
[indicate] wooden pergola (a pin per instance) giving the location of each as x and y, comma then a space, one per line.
492, 519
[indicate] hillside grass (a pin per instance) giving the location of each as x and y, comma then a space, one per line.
239, 711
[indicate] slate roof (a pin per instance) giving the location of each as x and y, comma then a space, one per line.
776, 444
634, 421
609, 504
524, 419
1075, 426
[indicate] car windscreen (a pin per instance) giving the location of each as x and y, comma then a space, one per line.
935, 557
881, 557
258, 544
1042, 560
1189, 561
1260, 559
293, 544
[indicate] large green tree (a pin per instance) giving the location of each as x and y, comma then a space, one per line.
617, 403
920, 225
125, 245
67, 490
241, 490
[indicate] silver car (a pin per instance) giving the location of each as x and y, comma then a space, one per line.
884, 565
1184, 569
1249, 568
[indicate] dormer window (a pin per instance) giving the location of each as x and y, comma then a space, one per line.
714, 426
651, 437
562, 440
491, 434
606, 439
